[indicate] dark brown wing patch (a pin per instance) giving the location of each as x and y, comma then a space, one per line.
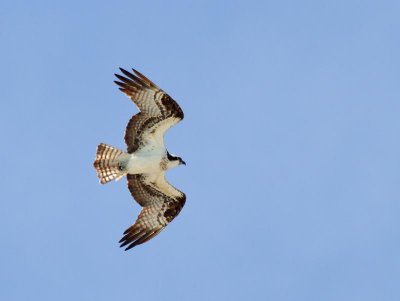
171, 107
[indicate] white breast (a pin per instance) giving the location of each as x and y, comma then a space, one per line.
145, 162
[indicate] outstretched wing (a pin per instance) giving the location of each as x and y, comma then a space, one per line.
161, 203
158, 111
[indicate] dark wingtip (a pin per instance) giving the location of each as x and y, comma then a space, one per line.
140, 74
123, 85
124, 243
127, 73
130, 247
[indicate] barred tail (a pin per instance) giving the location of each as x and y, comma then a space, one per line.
109, 163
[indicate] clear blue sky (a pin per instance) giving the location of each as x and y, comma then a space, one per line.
291, 138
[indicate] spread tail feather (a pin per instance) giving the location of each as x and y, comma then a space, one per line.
110, 163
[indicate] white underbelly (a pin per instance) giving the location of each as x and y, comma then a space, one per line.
144, 163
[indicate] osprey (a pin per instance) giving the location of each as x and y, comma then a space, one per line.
146, 160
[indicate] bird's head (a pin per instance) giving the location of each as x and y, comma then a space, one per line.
175, 160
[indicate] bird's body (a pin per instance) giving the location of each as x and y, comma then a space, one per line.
146, 162
146, 159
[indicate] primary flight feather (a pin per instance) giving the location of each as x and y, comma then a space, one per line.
146, 160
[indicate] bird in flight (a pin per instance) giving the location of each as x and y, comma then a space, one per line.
146, 160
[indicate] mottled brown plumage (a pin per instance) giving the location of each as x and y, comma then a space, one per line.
144, 133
